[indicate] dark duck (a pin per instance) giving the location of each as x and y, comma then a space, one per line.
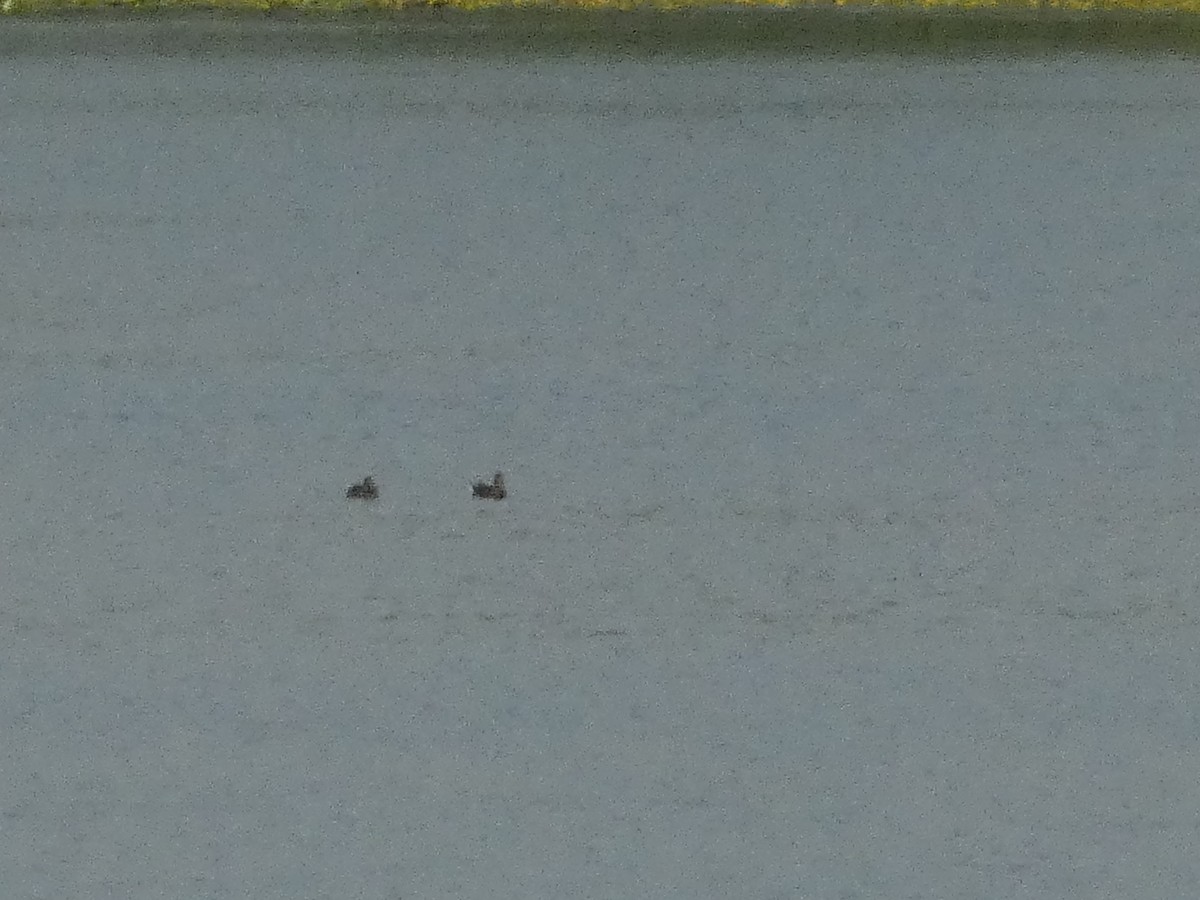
493, 491
364, 490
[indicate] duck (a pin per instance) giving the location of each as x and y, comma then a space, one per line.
493, 491
364, 490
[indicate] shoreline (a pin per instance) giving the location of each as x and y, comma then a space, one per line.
644, 31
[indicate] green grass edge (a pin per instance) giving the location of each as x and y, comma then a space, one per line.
632, 26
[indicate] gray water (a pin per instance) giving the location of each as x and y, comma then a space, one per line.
848, 408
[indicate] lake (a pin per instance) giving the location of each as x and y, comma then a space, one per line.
847, 404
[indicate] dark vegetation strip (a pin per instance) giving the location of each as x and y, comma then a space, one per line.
645, 32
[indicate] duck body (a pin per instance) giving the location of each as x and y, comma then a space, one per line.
364, 490
494, 491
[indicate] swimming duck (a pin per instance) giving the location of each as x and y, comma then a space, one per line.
493, 491
364, 490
